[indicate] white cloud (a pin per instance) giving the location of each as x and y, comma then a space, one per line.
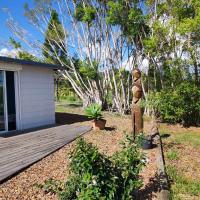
144, 67
143, 64
8, 53
128, 64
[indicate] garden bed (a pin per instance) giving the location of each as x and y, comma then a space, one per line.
56, 165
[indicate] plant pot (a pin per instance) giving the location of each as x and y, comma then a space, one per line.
146, 144
99, 124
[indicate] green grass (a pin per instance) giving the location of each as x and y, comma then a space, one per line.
68, 106
181, 185
184, 185
184, 137
190, 138
172, 155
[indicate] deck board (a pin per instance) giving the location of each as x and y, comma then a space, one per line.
20, 151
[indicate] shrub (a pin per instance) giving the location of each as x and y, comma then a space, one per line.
71, 98
180, 104
128, 162
95, 176
94, 111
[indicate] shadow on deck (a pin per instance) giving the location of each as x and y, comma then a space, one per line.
70, 118
61, 119
19, 150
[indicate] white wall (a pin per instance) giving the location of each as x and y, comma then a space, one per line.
36, 90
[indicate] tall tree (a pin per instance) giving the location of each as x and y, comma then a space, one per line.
54, 40
110, 37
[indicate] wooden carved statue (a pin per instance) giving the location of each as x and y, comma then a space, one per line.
137, 111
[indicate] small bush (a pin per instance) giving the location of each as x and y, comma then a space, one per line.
95, 176
71, 98
94, 111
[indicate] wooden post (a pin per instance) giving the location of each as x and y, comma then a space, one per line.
137, 111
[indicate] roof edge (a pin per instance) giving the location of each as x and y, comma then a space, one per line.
30, 63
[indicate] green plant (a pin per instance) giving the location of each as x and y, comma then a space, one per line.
172, 155
129, 161
139, 139
94, 111
180, 104
96, 176
51, 186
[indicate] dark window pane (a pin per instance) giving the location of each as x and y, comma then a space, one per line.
10, 86
2, 121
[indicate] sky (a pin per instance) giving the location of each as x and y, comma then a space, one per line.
16, 8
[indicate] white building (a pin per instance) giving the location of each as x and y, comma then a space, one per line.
26, 94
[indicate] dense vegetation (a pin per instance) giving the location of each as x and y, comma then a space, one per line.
99, 42
177, 105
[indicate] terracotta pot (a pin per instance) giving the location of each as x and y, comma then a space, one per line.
99, 124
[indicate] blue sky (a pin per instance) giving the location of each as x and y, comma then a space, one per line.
16, 8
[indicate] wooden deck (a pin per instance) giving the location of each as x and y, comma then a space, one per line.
20, 151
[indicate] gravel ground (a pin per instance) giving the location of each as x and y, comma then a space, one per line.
56, 165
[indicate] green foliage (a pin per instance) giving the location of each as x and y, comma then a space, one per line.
175, 25
129, 161
27, 56
129, 17
65, 91
180, 104
71, 98
14, 43
86, 71
85, 13
50, 185
153, 43
54, 48
95, 176
22, 54
94, 111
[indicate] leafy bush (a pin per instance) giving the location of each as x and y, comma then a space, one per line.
95, 176
180, 104
94, 111
129, 162
71, 98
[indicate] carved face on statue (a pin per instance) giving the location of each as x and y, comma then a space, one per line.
136, 74
137, 89
137, 93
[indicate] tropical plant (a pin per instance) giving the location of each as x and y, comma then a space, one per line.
94, 111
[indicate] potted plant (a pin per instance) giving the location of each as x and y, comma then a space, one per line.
144, 141
94, 111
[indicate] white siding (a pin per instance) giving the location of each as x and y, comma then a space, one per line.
37, 106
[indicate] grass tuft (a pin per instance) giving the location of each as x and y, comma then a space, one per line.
172, 155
